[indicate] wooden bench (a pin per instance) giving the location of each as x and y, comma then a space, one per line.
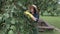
42, 25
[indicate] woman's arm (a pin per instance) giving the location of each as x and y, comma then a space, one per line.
30, 15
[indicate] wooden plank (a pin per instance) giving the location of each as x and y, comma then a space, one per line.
44, 27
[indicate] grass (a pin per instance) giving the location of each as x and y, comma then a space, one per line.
53, 32
55, 21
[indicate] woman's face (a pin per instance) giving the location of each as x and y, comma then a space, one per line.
31, 10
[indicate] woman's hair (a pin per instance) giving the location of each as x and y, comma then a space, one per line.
35, 9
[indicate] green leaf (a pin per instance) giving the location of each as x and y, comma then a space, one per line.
13, 21
13, 28
10, 32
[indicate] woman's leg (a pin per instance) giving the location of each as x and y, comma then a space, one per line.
35, 30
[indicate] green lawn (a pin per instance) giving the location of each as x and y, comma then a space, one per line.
55, 21
53, 32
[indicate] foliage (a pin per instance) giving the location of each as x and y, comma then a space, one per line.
12, 18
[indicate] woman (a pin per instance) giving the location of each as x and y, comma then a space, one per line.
34, 11
34, 14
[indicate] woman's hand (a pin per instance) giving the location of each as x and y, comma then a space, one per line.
33, 18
